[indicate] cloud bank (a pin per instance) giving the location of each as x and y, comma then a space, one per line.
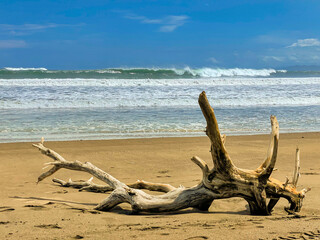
308, 42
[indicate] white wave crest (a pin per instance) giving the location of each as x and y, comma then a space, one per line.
108, 71
227, 72
25, 69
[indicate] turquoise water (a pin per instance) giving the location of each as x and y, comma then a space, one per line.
150, 73
139, 103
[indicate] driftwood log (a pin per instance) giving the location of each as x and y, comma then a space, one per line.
224, 180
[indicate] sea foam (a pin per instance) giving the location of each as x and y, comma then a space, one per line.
201, 82
143, 73
231, 72
124, 103
25, 69
137, 93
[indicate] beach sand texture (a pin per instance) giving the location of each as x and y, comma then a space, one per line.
47, 211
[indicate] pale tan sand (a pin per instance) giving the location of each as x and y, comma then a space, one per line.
47, 211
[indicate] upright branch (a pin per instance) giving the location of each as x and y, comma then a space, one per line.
296, 173
269, 163
224, 180
274, 134
220, 157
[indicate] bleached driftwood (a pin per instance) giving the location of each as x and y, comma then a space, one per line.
92, 187
224, 180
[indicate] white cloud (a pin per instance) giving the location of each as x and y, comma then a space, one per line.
169, 23
273, 58
144, 19
308, 42
168, 28
12, 44
172, 22
24, 29
213, 60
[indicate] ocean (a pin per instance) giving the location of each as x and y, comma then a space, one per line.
153, 102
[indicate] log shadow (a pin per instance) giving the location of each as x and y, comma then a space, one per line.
54, 200
123, 211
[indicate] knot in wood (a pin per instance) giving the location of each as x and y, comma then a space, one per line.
211, 176
131, 192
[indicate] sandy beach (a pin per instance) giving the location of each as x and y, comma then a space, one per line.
140, 94
48, 211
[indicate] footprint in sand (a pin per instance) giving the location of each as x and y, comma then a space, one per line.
163, 172
61, 192
163, 176
48, 226
197, 237
78, 237
6, 209
310, 173
4, 223
84, 210
35, 207
302, 235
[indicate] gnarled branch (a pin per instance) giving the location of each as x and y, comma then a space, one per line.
224, 180
220, 157
92, 187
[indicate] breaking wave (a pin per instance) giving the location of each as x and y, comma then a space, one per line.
25, 69
139, 73
231, 72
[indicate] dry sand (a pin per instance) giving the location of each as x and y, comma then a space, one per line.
47, 211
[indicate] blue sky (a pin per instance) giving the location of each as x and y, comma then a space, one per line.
84, 34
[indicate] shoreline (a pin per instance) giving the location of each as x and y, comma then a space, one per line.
157, 137
47, 211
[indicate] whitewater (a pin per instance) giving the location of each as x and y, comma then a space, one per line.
152, 102
137, 73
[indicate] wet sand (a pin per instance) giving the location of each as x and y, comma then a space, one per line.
48, 211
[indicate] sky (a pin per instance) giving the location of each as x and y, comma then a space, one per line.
82, 34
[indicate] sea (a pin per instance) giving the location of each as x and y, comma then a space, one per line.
122, 103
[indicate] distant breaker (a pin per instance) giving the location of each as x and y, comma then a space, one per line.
24, 69
190, 72
230, 72
141, 73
